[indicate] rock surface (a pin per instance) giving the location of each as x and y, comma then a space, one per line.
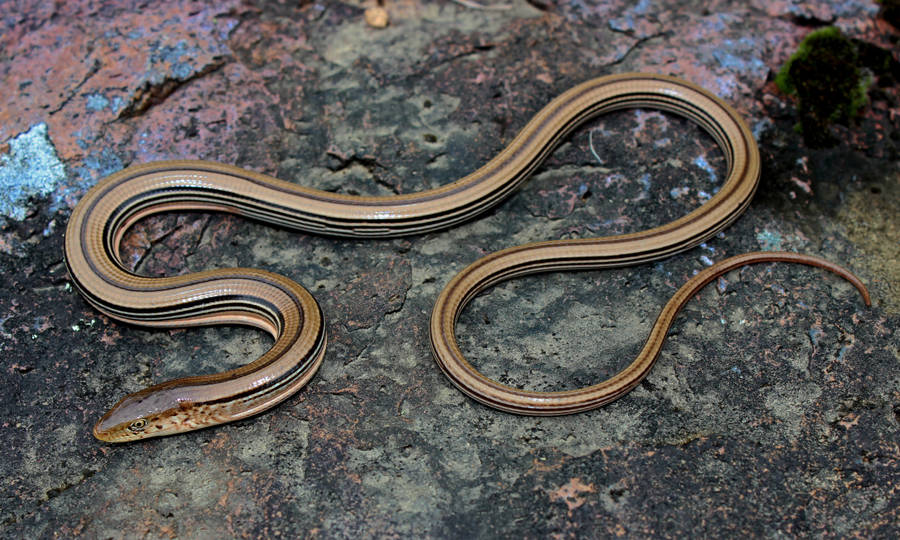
774, 408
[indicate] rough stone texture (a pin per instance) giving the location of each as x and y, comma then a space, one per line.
775, 406
30, 168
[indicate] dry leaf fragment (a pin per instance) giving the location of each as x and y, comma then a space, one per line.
376, 17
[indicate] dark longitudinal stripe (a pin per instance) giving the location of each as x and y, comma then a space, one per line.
622, 100
192, 185
285, 378
200, 307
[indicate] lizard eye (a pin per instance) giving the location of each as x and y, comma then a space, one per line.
138, 425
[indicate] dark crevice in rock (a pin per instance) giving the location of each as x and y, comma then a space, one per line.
371, 164
151, 94
55, 492
95, 67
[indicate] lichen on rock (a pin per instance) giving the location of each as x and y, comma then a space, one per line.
29, 169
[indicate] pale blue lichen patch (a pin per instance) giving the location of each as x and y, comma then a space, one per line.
31, 168
761, 127
103, 163
815, 334
176, 62
645, 182
739, 57
634, 20
700, 161
96, 102
93, 166
178, 57
769, 241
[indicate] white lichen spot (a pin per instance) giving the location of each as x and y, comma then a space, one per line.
31, 168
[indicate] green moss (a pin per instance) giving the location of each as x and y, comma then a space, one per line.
825, 76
